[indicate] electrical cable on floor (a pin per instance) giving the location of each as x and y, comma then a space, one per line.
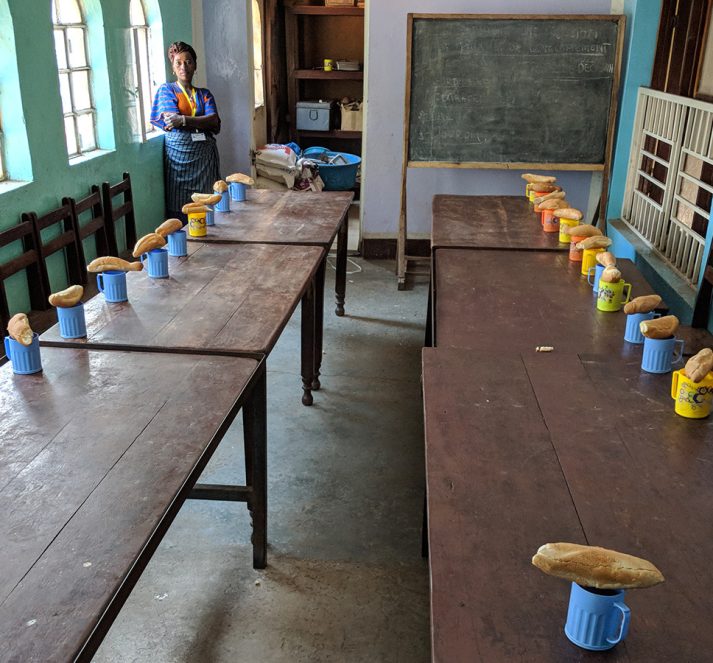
349, 260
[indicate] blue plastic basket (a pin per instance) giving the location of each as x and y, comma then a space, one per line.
336, 177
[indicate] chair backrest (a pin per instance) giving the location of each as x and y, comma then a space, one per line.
113, 214
29, 260
702, 308
104, 240
67, 241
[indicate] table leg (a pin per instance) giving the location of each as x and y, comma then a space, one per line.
428, 338
308, 343
319, 322
255, 431
341, 277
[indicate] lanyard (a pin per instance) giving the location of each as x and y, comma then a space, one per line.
191, 99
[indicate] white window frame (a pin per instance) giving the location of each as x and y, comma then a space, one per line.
143, 32
686, 125
75, 113
258, 71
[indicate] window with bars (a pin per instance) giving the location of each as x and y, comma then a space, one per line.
145, 85
258, 83
70, 41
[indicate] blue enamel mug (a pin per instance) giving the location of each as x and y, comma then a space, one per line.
177, 244
237, 191
156, 261
72, 323
113, 284
597, 272
25, 358
632, 332
597, 619
210, 217
224, 204
660, 353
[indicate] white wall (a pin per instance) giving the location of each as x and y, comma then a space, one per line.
383, 140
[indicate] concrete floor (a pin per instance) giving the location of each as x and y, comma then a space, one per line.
345, 581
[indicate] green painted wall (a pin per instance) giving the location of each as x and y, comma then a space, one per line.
52, 176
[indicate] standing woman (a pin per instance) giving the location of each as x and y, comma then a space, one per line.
190, 119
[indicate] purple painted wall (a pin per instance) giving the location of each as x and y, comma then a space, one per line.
383, 149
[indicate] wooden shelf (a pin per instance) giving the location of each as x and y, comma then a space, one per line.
336, 133
320, 74
315, 10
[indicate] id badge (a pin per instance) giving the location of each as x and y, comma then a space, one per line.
197, 137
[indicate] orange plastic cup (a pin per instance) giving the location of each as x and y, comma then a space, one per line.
575, 254
550, 223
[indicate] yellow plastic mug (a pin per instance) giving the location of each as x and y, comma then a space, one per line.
589, 260
566, 223
196, 224
693, 399
611, 295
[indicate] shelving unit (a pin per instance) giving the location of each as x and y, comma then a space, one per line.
313, 33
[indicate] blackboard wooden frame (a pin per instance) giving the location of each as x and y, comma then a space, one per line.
604, 167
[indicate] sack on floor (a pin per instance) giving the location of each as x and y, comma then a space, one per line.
278, 163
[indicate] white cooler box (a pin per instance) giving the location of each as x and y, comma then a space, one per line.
315, 115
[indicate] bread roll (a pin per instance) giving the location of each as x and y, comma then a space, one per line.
19, 328
659, 327
698, 366
220, 187
591, 566
111, 263
606, 259
529, 177
206, 198
594, 243
147, 243
553, 195
240, 179
542, 187
194, 208
611, 275
572, 214
67, 298
643, 304
168, 227
552, 203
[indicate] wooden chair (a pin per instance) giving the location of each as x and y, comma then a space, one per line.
105, 241
125, 210
30, 261
66, 241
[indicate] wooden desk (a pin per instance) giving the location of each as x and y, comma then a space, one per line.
98, 453
300, 218
526, 449
221, 299
515, 300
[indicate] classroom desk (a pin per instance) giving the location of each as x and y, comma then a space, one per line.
524, 449
99, 452
515, 300
300, 218
220, 299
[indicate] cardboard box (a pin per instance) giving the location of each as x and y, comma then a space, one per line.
352, 116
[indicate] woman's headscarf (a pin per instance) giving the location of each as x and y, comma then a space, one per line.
180, 47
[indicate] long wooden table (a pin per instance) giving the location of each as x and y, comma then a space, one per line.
539, 448
220, 299
98, 453
515, 300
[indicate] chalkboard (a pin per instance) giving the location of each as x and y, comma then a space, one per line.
512, 90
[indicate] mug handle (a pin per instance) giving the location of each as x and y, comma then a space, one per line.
627, 287
100, 282
624, 628
8, 351
674, 385
590, 275
679, 357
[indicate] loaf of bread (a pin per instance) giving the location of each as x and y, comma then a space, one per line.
68, 297
168, 227
111, 263
240, 179
206, 198
18, 327
194, 208
570, 213
583, 230
552, 203
606, 259
532, 179
543, 187
596, 242
698, 366
556, 195
220, 187
611, 275
591, 566
659, 327
147, 243
643, 304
